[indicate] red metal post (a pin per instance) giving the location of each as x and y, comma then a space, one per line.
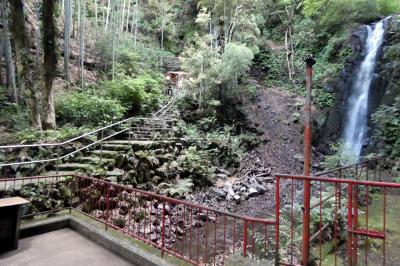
277, 219
244, 238
350, 225
163, 231
107, 204
307, 162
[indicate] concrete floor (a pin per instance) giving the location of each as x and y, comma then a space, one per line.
63, 247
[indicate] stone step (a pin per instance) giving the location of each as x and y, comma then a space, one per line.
63, 173
17, 184
115, 173
106, 154
116, 147
94, 160
73, 166
128, 142
148, 128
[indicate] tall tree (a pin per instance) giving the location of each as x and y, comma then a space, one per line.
81, 22
128, 15
137, 9
67, 36
114, 33
95, 15
10, 67
123, 16
286, 15
108, 15
22, 45
50, 63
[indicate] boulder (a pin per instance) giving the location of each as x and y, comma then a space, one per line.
218, 192
253, 192
237, 199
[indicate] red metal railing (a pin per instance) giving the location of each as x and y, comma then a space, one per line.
350, 219
191, 232
369, 169
349, 228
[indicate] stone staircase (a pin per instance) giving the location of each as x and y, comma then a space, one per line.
141, 136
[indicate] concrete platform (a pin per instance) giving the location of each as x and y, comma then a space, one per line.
63, 247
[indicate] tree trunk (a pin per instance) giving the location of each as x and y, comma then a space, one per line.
225, 23
73, 14
22, 42
50, 63
137, 20
95, 15
67, 35
113, 20
162, 40
128, 13
289, 65
81, 19
123, 17
10, 68
108, 15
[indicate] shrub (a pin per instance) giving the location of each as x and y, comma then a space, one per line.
179, 189
387, 121
64, 133
338, 158
139, 94
125, 91
83, 109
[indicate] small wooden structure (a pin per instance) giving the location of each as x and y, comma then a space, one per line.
10, 217
176, 78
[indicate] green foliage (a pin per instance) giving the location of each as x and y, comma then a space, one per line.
14, 117
119, 222
237, 59
389, 7
313, 7
3, 95
219, 146
82, 109
387, 122
64, 133
204, 65
130, 60
338, 158
335, 14
143, 93
46, 197
197, 165
272, 63
179, 189
210, 70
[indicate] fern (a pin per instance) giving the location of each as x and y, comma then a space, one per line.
182, 187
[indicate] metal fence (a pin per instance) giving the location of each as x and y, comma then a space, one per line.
90, 140
191, 232
352, 221
373, 169
354, 217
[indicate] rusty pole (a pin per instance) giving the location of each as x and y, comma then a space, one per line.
307, 162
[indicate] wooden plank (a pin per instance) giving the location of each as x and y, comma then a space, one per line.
7, 202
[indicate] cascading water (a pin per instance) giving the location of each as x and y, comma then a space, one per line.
357, 105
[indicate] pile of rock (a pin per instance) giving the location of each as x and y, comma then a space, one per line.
241, 190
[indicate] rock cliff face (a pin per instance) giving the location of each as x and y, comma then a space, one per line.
385, 84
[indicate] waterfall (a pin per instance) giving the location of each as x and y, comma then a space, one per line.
357, 105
